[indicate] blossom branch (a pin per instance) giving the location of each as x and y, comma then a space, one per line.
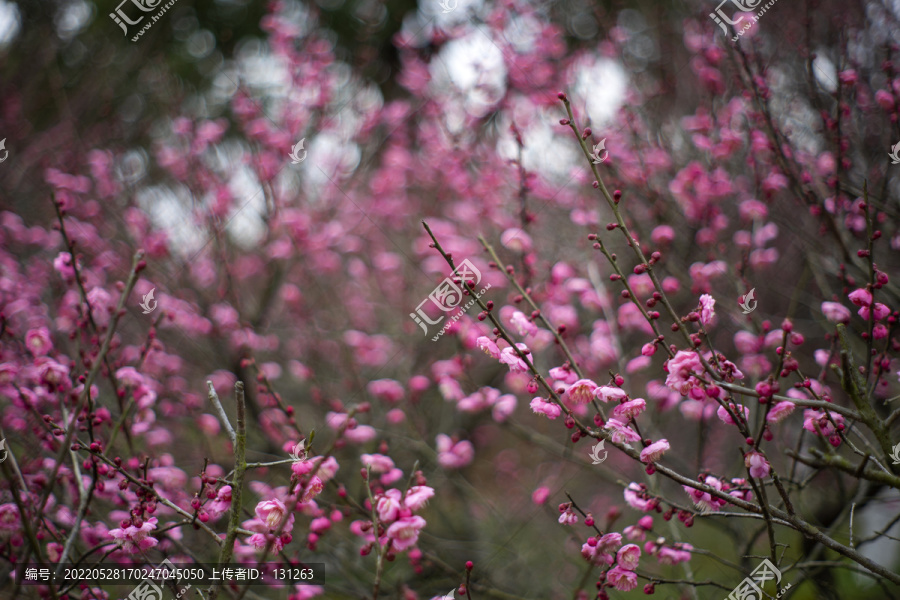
240, 448
214, 398
85, 397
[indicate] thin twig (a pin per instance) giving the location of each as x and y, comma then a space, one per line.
214, 398
240, 447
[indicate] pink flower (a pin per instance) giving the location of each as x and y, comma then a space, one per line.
563, 374
861, 297
38, 341
635, 496
360, 434
487, 346
682, 368
811, 418
884, 99
581, 391
673, 556
621, 433
388, 390
662, 235
272, 514
707, 309
222, 502
654, 451
622, 580
378, 463
328, 468
54, 551
417, 497
848, 77
521, 324
454, 456
320, 525
835, 312
757, 463
388, 506
704, 500
540, 495
133, 539
405, 532
568, 517
504, 406
629, 410
607, 393
591, 552
509, 357
628, 557
262, 540
881, 311
725, 416
312, 489
609, 542
516, 240
63, 265
548, 409
780, 411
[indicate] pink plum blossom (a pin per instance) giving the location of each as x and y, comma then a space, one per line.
417, 497
509, 357
707, 309
487, 346
608, 393
654, 451
133, 539
629, 410
835, 312
620, 433
726, 417
405, 532
757, 463
522, 324
38, 341
628, 557
622, 579
540, 495
454, 455
780, 411
272, 513
581, 391
705, 501
635, 497
543, 407
683, 368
